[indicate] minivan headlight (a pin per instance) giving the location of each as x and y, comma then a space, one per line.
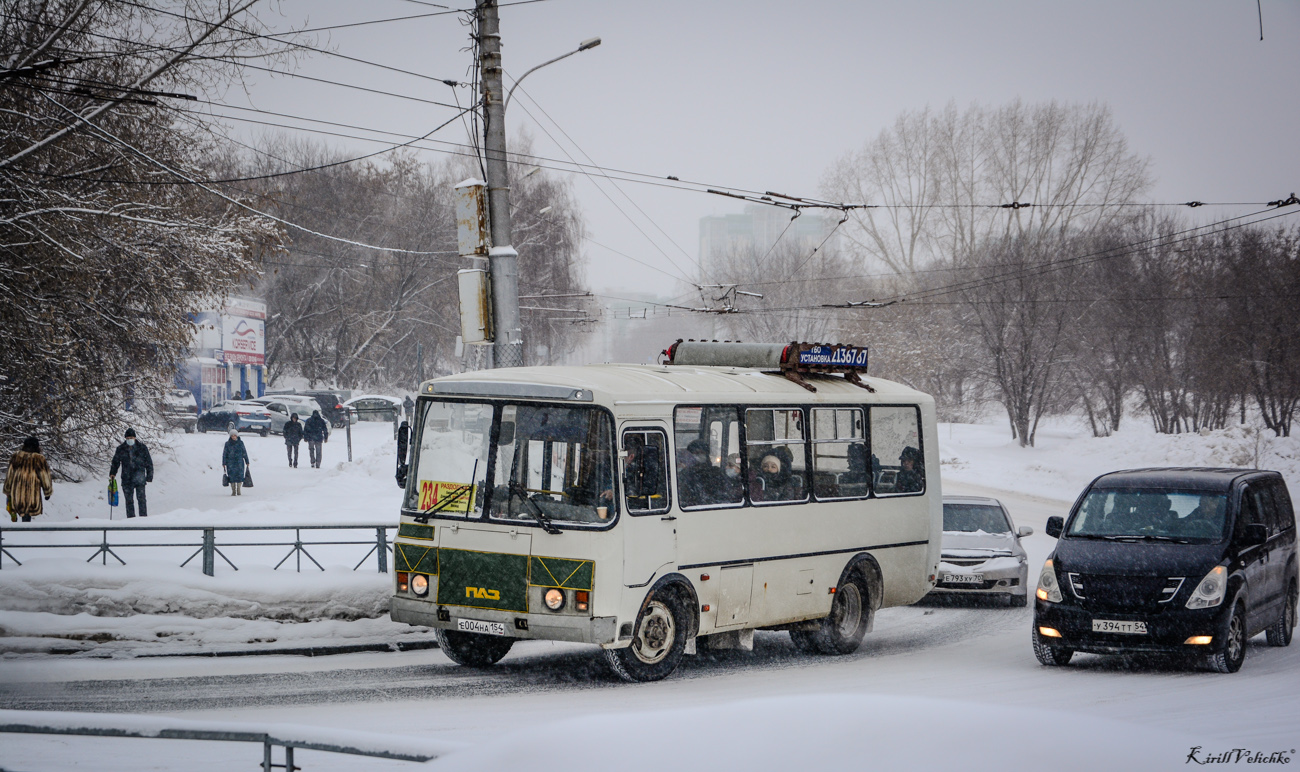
1048, 589
1209, 593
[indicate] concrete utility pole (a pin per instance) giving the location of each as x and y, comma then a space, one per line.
503, 260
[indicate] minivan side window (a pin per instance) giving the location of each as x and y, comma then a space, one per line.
1251, 512
1284, 508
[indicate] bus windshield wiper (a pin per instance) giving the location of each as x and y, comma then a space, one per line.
532, 509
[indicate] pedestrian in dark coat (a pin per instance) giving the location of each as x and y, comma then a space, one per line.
133, 458
234, 462
315, 431
28, 476
292, 436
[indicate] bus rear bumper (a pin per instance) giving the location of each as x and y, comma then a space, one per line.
547, 627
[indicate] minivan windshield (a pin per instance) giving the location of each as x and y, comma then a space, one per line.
1154, 514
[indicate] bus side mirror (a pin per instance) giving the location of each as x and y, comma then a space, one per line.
1054, 527
403, 446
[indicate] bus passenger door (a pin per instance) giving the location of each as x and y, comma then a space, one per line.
649, 528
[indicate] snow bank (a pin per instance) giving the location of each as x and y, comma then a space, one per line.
1067, 457
876, 732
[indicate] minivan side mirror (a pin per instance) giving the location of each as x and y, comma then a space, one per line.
1054, 526
1024, 530
1255, 534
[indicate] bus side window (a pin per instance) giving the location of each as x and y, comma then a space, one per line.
898, 465
774, 439
840, 465
645, 474
705, 438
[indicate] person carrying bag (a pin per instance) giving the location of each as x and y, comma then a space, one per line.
234, 462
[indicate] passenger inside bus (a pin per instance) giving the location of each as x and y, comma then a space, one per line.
701, 483
911, 471
773, 478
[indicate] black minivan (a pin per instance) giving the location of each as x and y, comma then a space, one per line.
1170, 561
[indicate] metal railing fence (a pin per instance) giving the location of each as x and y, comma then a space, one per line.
11, 538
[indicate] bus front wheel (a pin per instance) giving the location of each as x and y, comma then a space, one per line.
842, 631
472, 649
658, 639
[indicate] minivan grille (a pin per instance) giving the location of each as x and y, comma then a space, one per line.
1120, 593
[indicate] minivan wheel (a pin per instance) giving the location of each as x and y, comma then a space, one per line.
1281, 631
1052, 656
1229, 658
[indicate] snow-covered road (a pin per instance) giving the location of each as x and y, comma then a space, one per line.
934, 686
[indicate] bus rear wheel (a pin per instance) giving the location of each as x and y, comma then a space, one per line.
472, 649
842, 631
658, 640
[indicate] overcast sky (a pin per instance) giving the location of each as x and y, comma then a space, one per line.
768, 95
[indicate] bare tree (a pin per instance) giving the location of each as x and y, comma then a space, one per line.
107, 243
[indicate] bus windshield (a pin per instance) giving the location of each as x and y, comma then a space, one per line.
554, 464
1144, 513
451, 459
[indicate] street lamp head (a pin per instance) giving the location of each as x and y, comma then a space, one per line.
588, 43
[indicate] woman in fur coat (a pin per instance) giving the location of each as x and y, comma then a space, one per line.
28, 478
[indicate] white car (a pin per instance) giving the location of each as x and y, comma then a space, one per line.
179, 409
980, 551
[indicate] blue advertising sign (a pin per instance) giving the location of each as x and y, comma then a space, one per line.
847, 357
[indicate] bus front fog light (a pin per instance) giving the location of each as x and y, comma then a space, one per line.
403, 581
554, 599
580, 600
420, 584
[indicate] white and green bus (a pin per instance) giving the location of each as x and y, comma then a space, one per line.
651, 509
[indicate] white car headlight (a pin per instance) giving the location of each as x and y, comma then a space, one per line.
1048, 589
1209, 593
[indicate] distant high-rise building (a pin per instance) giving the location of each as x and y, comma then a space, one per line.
758, 228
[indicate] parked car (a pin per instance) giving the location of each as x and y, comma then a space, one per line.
179, 409
373, 407
1174, 561
280, 410
246, 417
981, 552
330, 404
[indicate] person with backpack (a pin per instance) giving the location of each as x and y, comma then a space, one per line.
315, 431
133, 458
234, 462
28, 477
292, 436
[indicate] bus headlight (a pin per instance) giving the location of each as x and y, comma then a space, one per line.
1048, 589
420, 584
1209, 593
554, 599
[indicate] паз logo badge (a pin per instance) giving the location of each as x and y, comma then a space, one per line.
482, 593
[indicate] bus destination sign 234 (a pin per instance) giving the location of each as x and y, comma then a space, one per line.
835, 357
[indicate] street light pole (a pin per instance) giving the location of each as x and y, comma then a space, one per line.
503, 260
